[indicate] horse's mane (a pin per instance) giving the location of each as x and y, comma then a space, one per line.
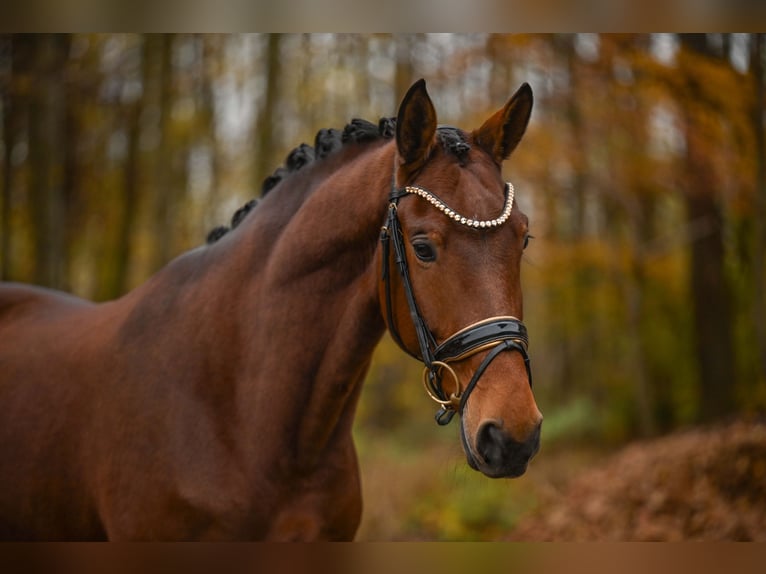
326, 142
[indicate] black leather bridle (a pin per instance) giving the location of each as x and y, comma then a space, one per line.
495, 334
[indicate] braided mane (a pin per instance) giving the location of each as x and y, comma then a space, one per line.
329, 140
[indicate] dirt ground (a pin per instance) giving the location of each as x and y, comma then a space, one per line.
701, 484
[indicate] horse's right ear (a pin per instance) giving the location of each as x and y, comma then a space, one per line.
415, 128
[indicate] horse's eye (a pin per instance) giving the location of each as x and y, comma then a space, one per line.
424, 251
527, 237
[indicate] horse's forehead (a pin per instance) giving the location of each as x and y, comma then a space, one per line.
473, 186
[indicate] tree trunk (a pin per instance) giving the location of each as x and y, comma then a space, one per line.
264, 162
710, 292
130, 193
10, 130
759, 217
160, 50
46, 145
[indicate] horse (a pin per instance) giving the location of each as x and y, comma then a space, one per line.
216, 400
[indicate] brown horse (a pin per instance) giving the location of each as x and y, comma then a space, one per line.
216, 401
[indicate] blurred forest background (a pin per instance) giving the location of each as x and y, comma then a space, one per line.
643, 173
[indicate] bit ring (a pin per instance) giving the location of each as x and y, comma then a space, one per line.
454, 400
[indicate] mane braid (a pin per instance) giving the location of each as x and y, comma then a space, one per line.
326, 142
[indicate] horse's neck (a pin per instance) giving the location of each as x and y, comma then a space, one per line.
313, 317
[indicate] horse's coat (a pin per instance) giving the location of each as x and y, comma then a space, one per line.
216, 400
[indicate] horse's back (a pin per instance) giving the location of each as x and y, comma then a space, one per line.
17, 299
35, 319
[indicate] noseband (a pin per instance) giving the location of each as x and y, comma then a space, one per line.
495, 334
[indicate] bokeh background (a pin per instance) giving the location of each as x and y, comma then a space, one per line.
643, 172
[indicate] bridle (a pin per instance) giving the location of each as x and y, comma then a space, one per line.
495, 334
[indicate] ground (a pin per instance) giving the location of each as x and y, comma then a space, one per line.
701, 484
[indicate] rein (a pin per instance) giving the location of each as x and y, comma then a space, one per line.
495, 334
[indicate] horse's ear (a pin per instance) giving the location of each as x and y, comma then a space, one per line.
501, 133
415, 127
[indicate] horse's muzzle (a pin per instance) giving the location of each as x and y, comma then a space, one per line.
498, 455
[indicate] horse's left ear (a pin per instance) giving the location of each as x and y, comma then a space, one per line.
501, 133
415, 127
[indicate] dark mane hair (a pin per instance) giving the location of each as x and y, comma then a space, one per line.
329, 140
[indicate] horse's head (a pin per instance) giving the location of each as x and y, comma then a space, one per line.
456, 237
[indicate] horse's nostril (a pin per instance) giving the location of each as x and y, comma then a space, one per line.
489, 443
